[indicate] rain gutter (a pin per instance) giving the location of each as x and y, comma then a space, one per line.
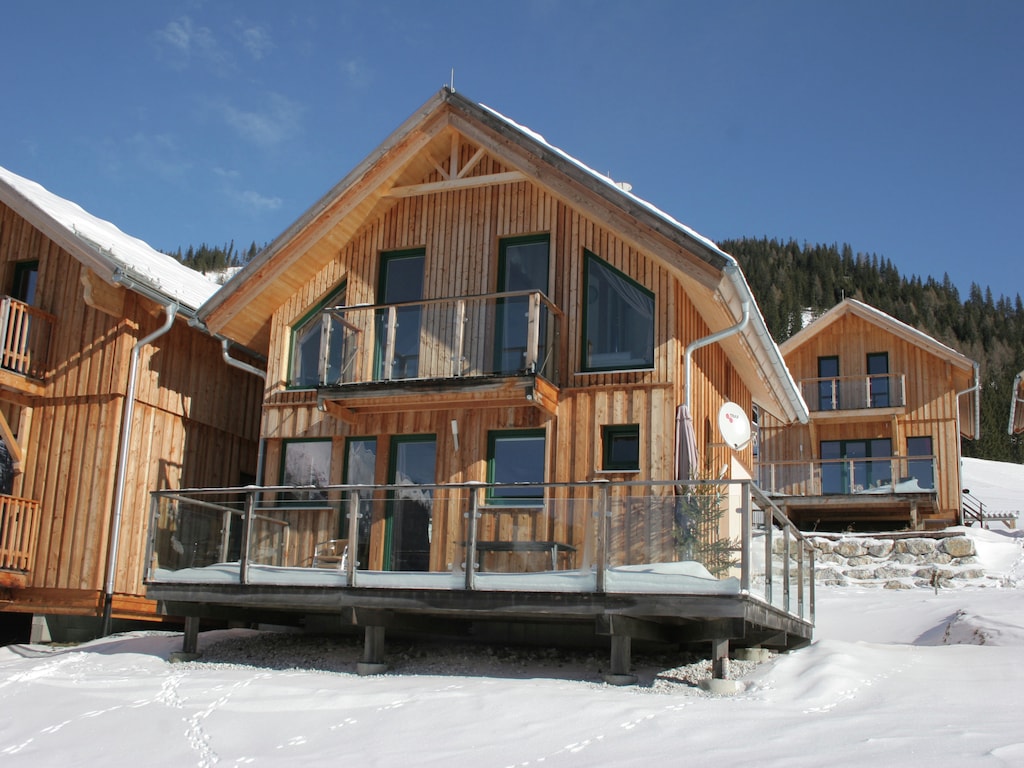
235, 363
693, 346
977, 403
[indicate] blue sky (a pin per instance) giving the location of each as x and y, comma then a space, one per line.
894, 125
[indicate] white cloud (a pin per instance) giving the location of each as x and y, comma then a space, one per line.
277, 120
255, 39
186, 41
256, 202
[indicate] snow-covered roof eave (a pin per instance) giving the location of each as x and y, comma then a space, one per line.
115, 256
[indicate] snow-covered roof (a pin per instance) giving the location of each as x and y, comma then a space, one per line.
114, 255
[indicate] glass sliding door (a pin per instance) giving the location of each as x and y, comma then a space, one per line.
398, 328
878, 379
412, 463
828, 383
522, 266
360, 469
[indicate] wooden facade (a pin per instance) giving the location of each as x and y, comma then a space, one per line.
455, 184
888, 408
194, 419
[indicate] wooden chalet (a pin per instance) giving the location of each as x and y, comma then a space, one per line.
477, 352
889, 405
106, 393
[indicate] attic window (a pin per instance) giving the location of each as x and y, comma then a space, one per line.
618, 320
307, 334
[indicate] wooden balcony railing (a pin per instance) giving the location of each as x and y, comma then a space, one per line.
474, 336
849, 393
25, 334
19, 531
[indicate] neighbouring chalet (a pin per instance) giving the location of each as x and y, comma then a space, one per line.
889, 405
1016, 425
106, 394
478, 350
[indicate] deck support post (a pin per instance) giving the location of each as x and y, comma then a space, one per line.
720, 659
189, 641
372, 662
619, 673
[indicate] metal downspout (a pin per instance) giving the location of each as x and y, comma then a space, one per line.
977, 430
122, 463
234, 363
693, 346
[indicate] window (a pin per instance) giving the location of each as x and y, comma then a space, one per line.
307, 340
852, 466
828, 383
618, 320
401, 280
306, 462
516, 456
878, 379
360, 469
921, 469
522, 266
620, 447
26, 275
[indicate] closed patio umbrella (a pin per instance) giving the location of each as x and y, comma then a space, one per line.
687, 460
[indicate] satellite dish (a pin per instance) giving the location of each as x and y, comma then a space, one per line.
734, 426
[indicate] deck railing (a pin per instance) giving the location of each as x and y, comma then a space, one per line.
497, 334
25, 334
19, 532
849, 393
827, 477
597, 537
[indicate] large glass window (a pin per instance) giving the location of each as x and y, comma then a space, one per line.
618, 320
855, 466
522, 266
516, 456
307, 345
306, 462
360, 469
410, 509
398, 336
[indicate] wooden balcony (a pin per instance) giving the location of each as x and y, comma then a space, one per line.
490, 351
25, 337
19, 532
842, 394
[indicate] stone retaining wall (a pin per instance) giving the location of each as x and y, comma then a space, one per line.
897, 561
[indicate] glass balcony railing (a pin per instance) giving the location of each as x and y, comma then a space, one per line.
883, 475
504, 334
848, 393
609, 538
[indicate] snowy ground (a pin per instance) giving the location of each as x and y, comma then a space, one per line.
900, 678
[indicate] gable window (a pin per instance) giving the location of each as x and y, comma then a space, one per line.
878, 379
26, 274
620, 447
308, 344
618, 320
516, 456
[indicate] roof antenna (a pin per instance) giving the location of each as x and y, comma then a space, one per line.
451, 85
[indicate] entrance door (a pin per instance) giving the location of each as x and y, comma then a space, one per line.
522, 266
401, 280
412, 463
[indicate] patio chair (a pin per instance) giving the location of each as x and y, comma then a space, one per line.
332, 553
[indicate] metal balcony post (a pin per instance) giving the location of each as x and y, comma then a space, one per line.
248, 517
747, 534
471, 533
353, 537
532, 332
458, 351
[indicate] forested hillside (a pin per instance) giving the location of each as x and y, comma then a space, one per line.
787, 279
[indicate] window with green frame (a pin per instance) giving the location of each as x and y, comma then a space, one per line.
516, 456
306, 463
307, 334
618, 319
620, 447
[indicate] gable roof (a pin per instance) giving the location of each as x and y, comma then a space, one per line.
417, 148
971, 416
117, 257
